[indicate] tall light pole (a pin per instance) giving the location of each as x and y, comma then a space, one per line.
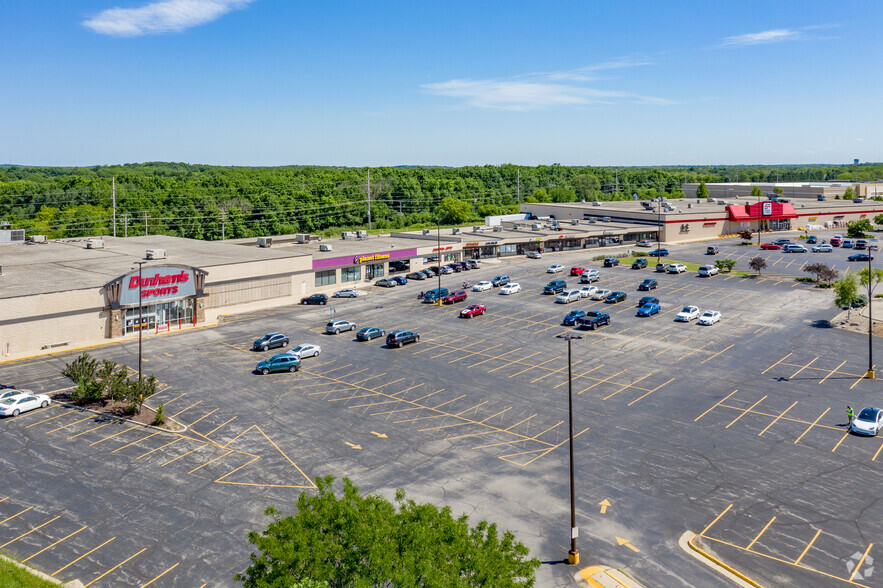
438, 261
870, 374
140, 317
573, 554
658, 233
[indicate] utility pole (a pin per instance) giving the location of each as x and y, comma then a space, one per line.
369, 198
126, 223
113, 192
223, 223
518, 186
870, 375
145, 223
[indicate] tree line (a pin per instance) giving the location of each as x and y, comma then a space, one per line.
213, 202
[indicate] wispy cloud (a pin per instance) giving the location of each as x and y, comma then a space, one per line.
540, 90
776, 36
166, 16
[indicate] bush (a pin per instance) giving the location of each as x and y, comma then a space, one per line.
860, 301
639, 253
86, 392
160, 417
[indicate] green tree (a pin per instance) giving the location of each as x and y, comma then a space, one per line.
702, 190
335, 540
821, 271
452, 211
846, 292
878, 220
857, 229
586, 186
870, 279
849, 193
756, 192
757, 264
725, 265
562, 195
778, 191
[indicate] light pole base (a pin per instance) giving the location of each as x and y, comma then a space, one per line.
573, 557
870, 375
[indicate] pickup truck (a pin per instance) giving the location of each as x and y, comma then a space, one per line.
594, 319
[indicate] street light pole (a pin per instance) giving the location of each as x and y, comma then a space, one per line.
870, 374
573, 554
140, 318
658, 236
439, 254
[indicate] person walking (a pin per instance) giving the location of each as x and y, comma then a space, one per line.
850, 414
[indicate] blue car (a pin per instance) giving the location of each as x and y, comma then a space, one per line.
279, 363
402, 280
572, 317
658, 253
648, 309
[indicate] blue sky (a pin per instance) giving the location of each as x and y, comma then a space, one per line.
356, 83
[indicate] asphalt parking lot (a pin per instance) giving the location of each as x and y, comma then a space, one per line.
734, 431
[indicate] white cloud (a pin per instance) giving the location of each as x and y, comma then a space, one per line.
166, 16
540, 90
763, 37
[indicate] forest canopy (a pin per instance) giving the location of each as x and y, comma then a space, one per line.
213, 202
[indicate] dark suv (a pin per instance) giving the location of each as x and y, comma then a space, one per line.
315, 299
648, 284
640, 263
434, 294
594, 319
269, 341
555, 287
611, 262
400, 337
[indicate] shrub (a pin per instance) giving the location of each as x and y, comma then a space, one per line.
639, 253
160, 417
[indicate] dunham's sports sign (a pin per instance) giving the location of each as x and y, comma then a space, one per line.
155, 284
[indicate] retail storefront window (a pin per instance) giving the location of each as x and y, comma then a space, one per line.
164, 314
509, 249
350, 274
326, 278
374, 270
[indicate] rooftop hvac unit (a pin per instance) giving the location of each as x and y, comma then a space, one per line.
536, 226
596, 203
156, 254
38, 239
689, 205
95, 244
722, 202
362, 234
425, 231
301, 238
574, 221
516, 225
498, 229
710, 200
347, 235
476, 229
265, 241
325, 247
455, 231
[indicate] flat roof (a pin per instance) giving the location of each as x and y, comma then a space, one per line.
65, 264
699, 206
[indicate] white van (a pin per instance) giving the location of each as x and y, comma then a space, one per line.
568, 296
707, 271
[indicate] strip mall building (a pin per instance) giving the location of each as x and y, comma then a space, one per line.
69, 293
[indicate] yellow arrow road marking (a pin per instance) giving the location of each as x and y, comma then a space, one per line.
604, 504
625, 542
353, 446
381, 435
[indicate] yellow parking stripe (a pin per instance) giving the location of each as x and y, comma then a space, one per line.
56, 543
115, 567
29, 532
81, 557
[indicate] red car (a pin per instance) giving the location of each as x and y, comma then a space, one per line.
577, 270
473, 310
455, 296
770, 246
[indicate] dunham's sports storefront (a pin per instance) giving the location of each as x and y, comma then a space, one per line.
158, 298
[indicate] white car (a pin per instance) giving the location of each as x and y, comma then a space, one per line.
707, 271
346, 293
482, 286
305, 350
823, 248
534, 255
555, 269
9, 392
511, 288
568, 296
15, 405
709, 317
687, 314
589, 276
868, 421
600, 294
677, 268
587, 291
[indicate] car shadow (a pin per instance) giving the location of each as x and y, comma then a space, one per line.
822, 324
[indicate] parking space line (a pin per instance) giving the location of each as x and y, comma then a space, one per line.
878, 453
173, 399
198, 402
458, 414
541, 452
337, 368
54, 544
475, 353
626, 387
455, 349
216, 428
860, 562
803, 368
527, 369
556, 386
29, 532
607, 379
203, 416
860, 378
718, 403
808, 545
371, 378
510, 442
161, 575
717, 518
115, 435
91, 416
53, 574
834, 371
746, 411
767, 325
845, 435
558, 371
136, 441
716, 354
673, 346
212, 461
514, 362
160, 447
812, 425
184, 455
115, 567
113, 422
493, 358
436, 346
649, 392
492, 431
652, 342
777, 418
762, 531
50, 418
15, 515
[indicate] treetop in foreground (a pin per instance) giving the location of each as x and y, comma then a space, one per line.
366, 541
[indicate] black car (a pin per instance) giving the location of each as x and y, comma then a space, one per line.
270, 341
416, 276
648, 300
434, 270
399, 338
812, 240
711, 251
648, 284
455, 267
611, 262
640, 263
860, 257
594, 319
615, 297
465, 266
315, 299
500, 281
555, 287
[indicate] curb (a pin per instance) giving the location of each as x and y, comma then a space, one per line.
686, 543
41, 575
183, 428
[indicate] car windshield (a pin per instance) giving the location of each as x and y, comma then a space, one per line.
687, 309
708, 314
868, 414
574, 313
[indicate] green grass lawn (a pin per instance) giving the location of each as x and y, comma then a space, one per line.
691, 267
12, 576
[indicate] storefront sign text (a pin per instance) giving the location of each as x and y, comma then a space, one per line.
165, 282
156, 284
376, 257
767, 208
